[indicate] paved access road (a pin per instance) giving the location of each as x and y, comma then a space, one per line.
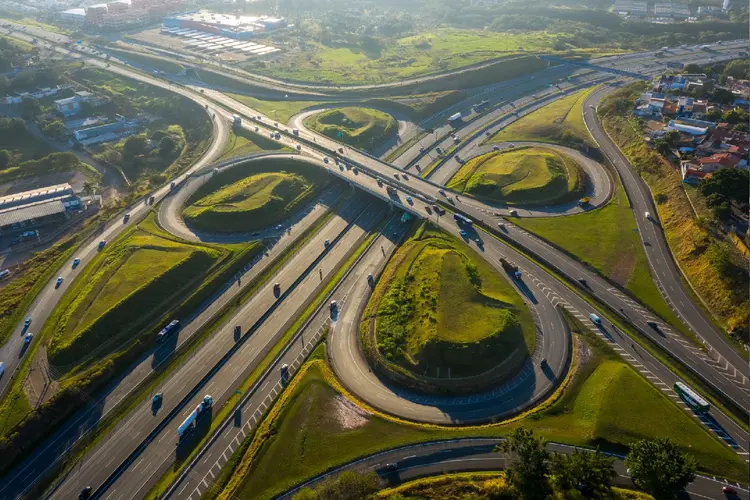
669, 279
477, 454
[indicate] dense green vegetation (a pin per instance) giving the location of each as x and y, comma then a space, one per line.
254, 195
603, 406
361, 128
524, 176
560, 122
148, 163
441, 307
278, 110
149, 61
709, 260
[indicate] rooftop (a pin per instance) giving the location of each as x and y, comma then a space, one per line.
15, 215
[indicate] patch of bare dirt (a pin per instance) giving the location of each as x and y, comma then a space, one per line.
347, 414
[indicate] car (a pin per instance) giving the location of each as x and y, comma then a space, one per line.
299, 148
396, 176
391, 467
583, 282
369, 278
728, 490
441, 191
406, 177
325, 159
427, 209
275, 124
2, 368
284, 370
333, 305
409, 200
126, 218
487, 133
439, 151
28, 338
276, 288
102, 243
278, 226
341, 150
511, 145
514, 212
653, 325
591, 106
157, 397
85, 493
543, 362
501, 224
326, 243
355, 170
76, 261
495, 148
27, 322
462, 233
59, 281
647, 215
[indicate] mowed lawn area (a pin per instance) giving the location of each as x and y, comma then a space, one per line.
277, 110
254, 195
524, 176
362, 128
439, 306
559, 122
317, 427
124, 290
421, 54
606, 238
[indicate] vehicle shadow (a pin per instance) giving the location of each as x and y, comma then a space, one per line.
164, 350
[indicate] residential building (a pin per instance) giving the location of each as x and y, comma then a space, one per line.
95, 14
71, 106
630, 8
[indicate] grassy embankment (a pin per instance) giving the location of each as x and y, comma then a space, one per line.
604, 238
710, 261
524, 176
560, 122
477, 486
109, 316
602, 406
276, 110
421, 54
361, 128
242, 142
253, 196
441, 310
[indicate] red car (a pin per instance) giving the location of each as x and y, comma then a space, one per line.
728, 490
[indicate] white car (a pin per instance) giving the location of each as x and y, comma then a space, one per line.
647, 215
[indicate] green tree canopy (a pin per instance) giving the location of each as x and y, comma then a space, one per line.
530, 467
589, 472
346, 486
659, 467
731, 183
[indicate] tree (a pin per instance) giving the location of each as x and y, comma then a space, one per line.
530, 468
30, 107
659, 467
731, 183
167, 146
5, 158
590, 473
736, 115
135, 145
54, 128
723, 96
693, 69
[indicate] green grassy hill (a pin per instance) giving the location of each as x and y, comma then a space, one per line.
129, 287
559, 122
524, 176
441, 305
253, 196
361, 128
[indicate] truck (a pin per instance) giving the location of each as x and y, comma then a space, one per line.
391, 190
236, 121
510, 268
168, 330
295, 131
462, 220
454, 117
583, 202
189, 423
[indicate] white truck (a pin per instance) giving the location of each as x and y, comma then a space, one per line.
189, 423
454, 117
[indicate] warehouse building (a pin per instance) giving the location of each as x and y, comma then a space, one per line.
50, 205
238, 27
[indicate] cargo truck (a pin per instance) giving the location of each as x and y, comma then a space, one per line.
510, 268
454, 117
189, 423
168, 330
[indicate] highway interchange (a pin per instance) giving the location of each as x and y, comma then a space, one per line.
123, 476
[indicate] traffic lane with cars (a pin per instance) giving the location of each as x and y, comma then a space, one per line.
31, 469
207, 466
518, 392
659, 254
45, 302
407, 463
167, 446
131, 431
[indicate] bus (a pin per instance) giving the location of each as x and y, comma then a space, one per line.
692, 398
462, 220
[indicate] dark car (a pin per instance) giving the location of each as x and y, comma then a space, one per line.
391, 467
653, 325
85, 493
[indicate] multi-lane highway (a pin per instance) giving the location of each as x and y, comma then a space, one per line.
156, 456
